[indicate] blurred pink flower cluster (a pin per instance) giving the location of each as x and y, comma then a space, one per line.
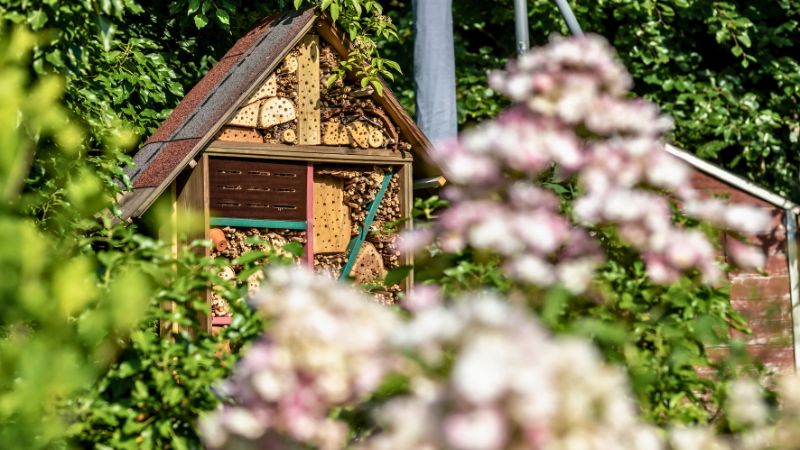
509, 385
326, 346
572, 113
484, 375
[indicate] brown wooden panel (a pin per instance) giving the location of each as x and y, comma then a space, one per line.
251, 189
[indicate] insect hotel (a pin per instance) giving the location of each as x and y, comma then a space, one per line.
263, 147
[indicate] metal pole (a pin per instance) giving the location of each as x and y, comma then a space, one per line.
521, 22
435, 69
569, 17
790, 217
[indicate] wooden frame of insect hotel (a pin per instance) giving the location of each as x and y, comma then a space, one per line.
264, 146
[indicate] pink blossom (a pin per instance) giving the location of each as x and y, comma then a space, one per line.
423, 296
482, 429
415, 240
745, 255
747, 219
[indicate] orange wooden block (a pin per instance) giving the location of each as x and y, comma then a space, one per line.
239, 134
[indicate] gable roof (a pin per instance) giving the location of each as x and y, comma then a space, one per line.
213, 101
733, 180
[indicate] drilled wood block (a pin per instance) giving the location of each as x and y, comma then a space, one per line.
369, 265
331, 216
376, 138
334, 133
308, 94
275, 111
267, 90
239, 134
247, 116
289, 64
359, 133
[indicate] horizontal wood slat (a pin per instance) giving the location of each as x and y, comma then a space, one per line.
308, 153
248, 189
256, 223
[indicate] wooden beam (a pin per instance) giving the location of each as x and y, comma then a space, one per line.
191, 215
257, 223
309, 153
406, 207
169, 233
308, 93
429, 183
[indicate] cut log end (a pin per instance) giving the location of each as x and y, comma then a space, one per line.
288, 136
376, 139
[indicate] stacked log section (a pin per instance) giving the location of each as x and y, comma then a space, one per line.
350, 116
330, 265
239, 241
360, 185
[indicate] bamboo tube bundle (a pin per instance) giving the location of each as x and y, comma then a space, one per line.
330, 265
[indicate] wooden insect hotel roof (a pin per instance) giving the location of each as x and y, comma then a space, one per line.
217, 99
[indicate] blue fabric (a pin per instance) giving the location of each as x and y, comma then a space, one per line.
434, 68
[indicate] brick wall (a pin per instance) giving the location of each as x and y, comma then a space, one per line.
762, 298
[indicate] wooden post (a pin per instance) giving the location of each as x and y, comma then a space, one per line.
169, 233
308, 98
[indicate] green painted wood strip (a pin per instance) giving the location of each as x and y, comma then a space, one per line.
355, 244
257, 223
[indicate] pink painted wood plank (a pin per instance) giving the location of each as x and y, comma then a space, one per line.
221, 320
310, 216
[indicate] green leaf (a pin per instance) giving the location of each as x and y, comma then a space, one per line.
107, 31
378, 87
194, 5
334, 11
223, 17
200, 21
744, 39
37, 20
250, 257
294, 248
331, 79
393, 65
297, 4
396, 275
